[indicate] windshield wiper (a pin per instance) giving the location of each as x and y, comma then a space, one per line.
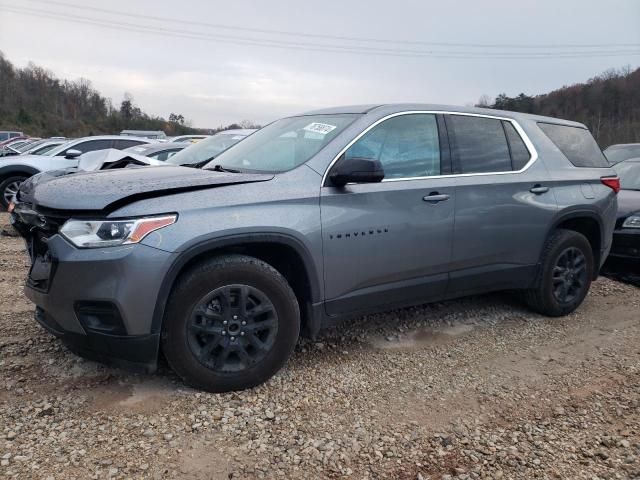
220, 168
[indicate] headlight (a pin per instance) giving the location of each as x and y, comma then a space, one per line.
109, 233
632, 222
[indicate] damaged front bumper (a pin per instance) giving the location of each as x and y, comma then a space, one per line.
100, 302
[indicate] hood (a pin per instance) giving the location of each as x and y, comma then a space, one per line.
628, 202
90, 161
109, 190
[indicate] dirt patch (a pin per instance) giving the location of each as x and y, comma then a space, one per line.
422, 338
144, 396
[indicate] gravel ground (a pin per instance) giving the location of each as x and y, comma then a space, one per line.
474, 388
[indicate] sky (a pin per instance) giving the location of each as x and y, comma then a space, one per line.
221, 62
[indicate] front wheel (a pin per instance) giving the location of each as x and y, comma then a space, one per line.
565, 274
9, 187
232, 322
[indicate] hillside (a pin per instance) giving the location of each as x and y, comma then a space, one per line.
609, 104
33, 100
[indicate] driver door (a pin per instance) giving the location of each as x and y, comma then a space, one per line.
388, 244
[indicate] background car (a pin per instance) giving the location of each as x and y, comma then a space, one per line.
15, 169
16, 146
206, 150
8, 150
621, 152
43, 146
10, 140
7, 135
13, 146
152, 134
30, 144
626, 237
159, 151
188, 138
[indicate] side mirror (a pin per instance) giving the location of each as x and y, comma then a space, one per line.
356, 170
72, 153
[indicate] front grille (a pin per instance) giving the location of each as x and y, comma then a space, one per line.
43, 263
37, 229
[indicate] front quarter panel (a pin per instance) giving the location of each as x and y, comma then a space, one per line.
287, 206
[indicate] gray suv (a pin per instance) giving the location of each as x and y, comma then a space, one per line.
313, 218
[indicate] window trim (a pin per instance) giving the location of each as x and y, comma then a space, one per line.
525, 138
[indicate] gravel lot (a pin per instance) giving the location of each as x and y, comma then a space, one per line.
475, 388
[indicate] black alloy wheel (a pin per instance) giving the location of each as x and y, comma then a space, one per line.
569, 275
232, 328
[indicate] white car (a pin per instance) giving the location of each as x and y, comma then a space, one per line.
16, 169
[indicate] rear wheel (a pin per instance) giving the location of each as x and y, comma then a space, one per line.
565, 274
232, 322
9, 187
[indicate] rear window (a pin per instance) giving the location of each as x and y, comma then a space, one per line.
576, 144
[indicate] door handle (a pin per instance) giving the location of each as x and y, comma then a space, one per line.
435, 197
539, 189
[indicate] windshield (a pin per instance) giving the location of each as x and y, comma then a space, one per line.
205, 150
284, 144
622, 153
629, 173
43, 149
59, 148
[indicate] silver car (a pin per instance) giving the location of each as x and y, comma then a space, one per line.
311, 219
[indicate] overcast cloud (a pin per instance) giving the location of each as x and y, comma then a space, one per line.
215, 83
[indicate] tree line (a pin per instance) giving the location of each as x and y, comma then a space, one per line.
35, 101
609, 104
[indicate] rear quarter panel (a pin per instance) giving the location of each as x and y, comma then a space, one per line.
578, 190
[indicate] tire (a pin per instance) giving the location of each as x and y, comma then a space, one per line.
257, 341
566, 267
8, 187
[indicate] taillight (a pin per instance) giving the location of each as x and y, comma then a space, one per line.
612, 182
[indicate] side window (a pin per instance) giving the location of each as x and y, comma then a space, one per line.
122, 144
89, 146
520, 154
479, 144
406, 145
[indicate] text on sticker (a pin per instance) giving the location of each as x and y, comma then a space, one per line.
322, 128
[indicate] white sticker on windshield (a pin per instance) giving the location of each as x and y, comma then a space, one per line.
321, 128
237, 137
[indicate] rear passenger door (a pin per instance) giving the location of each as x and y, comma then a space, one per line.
503, 204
